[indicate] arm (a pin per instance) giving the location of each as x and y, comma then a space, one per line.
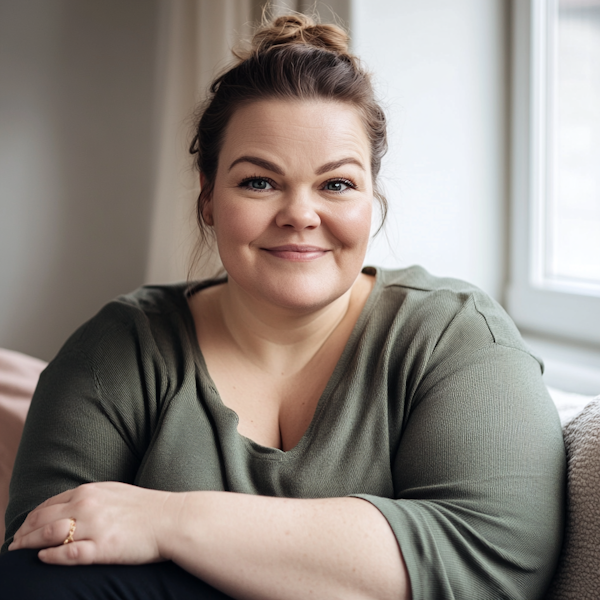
260, 547
247, 546
479, 470
75, 432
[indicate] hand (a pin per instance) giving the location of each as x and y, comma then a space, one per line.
114, 523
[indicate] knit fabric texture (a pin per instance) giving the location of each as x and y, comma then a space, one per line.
436, 413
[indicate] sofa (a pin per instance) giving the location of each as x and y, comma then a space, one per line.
577, 575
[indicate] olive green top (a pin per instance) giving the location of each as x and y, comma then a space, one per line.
436, 414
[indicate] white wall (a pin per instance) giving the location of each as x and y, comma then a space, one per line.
76, 106
441, 69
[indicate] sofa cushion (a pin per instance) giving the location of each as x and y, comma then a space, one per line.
18, 377
578, 572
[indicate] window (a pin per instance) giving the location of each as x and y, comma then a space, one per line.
569, 104
555, 265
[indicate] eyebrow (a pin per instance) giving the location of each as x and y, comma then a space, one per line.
260, 162
336, 164
266, 164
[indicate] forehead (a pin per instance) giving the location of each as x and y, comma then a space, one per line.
310, 130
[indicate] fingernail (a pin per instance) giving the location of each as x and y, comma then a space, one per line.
42, 554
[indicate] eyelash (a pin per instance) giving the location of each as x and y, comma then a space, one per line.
245, 183
343, 180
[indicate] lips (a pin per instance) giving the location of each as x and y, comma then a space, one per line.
296, 252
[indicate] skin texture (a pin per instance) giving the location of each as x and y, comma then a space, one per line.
291, 210
299, 139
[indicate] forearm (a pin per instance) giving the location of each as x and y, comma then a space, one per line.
280, 548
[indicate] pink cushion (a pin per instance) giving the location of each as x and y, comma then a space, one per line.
19, 374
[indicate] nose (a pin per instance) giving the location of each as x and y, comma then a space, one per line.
298, 211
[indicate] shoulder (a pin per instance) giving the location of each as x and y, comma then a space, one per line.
144, 332
129, 359
446, 308
145, 303
419, 282
146, 310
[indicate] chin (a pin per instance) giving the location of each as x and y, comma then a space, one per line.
299, 292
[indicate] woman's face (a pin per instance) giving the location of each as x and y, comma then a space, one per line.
292, 201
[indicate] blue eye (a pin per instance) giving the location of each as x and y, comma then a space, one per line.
338, 185
257, 183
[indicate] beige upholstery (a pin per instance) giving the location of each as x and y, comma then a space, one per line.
18, 377
578, 573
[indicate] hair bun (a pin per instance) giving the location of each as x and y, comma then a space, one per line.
300, 29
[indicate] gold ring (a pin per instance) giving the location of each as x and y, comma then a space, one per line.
69, 538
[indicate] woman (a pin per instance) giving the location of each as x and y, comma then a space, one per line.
302, 427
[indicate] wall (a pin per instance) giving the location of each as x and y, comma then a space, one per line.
76, 161
441, 69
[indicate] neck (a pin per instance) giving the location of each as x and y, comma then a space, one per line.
281, 341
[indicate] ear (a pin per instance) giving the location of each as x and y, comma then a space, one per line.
207, 208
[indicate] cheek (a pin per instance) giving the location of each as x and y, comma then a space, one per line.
352, 226
238, 222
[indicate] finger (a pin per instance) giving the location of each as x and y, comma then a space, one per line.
54, 533
41, 517
85, 490
34, 518
61, 498
77, 553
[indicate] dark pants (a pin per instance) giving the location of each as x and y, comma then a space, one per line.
24, 577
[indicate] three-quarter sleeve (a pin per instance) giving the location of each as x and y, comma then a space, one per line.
479, 469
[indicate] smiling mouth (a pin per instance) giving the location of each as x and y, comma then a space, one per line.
296, 252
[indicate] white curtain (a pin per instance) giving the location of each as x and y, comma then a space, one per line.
196, 41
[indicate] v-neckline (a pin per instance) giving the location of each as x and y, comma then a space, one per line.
256, 448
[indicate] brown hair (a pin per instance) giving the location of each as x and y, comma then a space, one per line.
290, 58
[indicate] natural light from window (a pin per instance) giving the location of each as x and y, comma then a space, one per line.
571, 248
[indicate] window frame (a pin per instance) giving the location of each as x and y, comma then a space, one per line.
540, 309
